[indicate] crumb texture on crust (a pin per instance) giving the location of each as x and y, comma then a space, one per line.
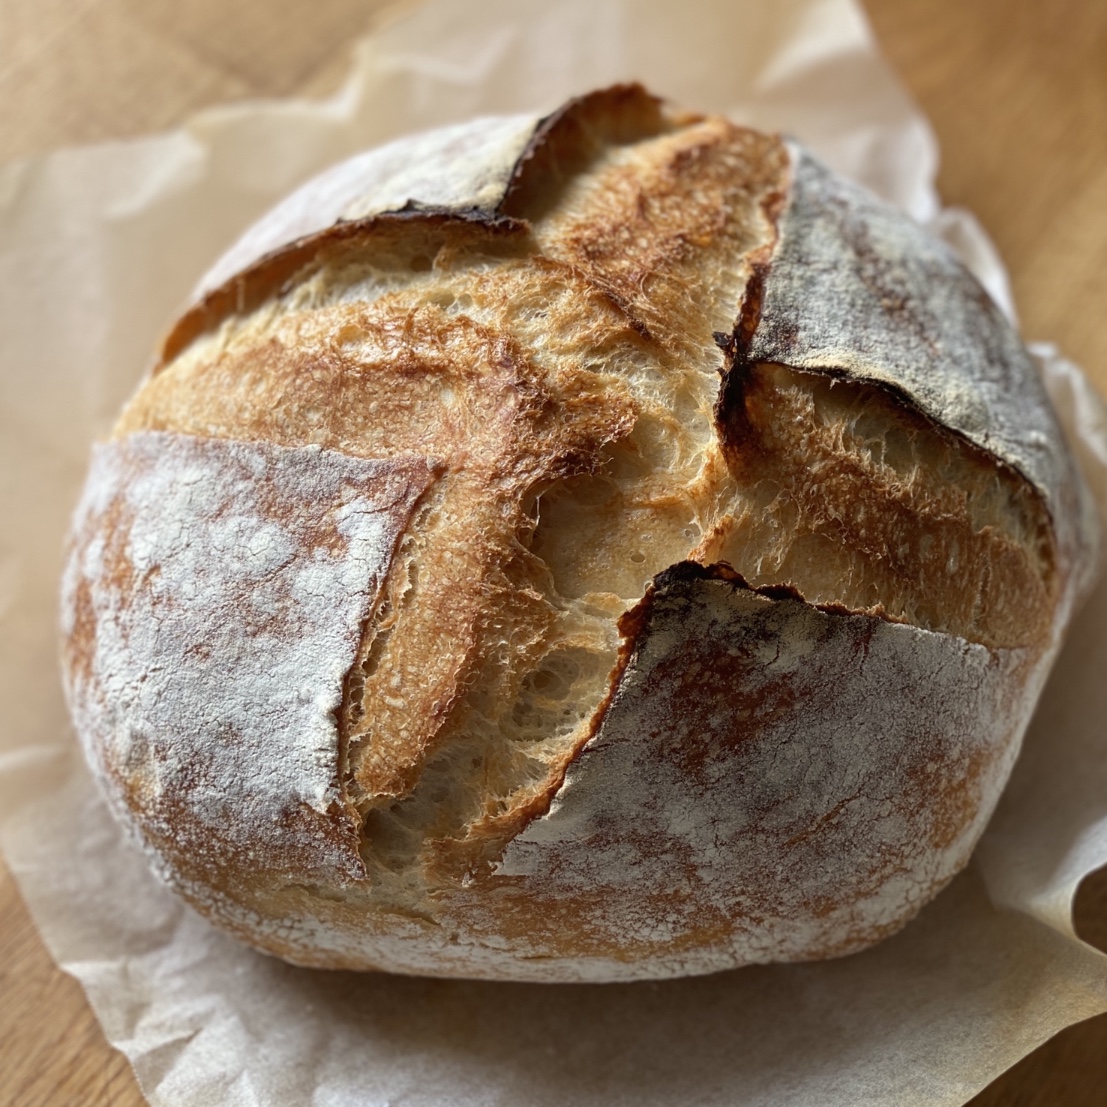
857, 289
772, 814
628, 339
861, 502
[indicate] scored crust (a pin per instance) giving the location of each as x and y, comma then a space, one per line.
724, 537
212, 612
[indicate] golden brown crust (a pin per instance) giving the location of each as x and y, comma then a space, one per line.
932, 550
411, 234
528, 782
570, 139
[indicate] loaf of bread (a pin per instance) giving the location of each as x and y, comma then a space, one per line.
595, 547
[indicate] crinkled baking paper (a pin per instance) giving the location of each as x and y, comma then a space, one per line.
99, 246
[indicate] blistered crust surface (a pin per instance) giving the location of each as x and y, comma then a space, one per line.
856, 287
213, 603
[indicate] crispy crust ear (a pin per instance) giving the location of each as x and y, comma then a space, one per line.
769, 782
855, 288
409, 234
401, 621
566, 142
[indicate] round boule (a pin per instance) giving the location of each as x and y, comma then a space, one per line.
596, 547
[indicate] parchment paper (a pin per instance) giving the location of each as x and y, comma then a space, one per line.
97, 248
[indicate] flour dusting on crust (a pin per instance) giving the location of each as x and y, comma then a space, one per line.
216, 592
847, 565
463, 168
856, 288
771, 782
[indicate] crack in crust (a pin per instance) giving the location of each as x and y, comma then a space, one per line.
750, 763
624, 558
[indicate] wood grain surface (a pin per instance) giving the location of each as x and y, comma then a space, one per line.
1017, 92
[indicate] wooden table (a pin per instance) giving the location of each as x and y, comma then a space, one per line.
1017, 91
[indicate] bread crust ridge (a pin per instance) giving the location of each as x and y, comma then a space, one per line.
593, 547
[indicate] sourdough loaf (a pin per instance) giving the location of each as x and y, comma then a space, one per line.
594, 547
